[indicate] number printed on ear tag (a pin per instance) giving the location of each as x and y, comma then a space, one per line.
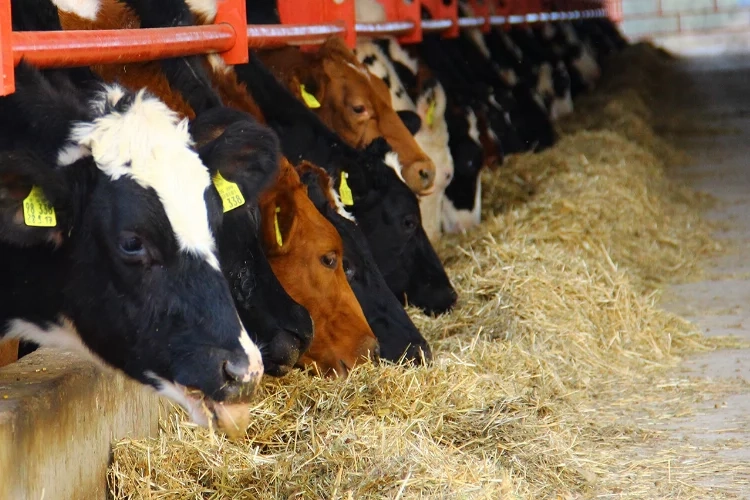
345, 191
37, 212
231, 196
309, 99
279, 239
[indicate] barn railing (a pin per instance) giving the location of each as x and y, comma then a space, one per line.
303, 23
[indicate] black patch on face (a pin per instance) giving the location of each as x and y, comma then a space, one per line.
468, 159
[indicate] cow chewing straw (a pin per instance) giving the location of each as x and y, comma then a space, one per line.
555, 342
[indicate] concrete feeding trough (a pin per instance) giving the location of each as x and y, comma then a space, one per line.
59, 414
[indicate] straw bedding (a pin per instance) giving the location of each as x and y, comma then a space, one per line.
555, 340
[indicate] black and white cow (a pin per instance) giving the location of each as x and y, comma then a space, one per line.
127, 269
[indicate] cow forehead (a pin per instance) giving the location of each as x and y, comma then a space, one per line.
139, 137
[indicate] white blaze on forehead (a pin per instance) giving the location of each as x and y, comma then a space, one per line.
398, 54
87, 9
474, 33
340, 208
473, 127
544, 85
509, 76
204, 8
149, 144
391, 159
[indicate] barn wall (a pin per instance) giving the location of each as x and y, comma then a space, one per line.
690, 26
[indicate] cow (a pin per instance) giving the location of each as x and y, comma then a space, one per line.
386, 210
108, 218
432, 136
306, 253
399, 339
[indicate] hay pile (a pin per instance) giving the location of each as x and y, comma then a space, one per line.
556, 323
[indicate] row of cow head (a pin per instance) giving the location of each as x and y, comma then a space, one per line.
181, 252
234, 221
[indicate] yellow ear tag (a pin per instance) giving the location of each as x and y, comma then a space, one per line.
309, 99
231, 196
430, 116
279, 239
345, 191
37, 212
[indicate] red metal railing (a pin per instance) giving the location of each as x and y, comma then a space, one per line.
303, 23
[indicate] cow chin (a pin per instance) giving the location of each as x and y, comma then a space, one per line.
231, 418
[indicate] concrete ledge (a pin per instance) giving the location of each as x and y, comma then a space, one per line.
59, 415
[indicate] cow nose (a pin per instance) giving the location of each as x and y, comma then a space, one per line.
375, 353
426, 172
236, 371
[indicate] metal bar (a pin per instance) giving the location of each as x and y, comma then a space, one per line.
260, 36
470, 22
436, 25
392, 28
59, 49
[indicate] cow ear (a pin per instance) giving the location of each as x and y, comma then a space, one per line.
245, 153
33, 200
279, 215
412, 120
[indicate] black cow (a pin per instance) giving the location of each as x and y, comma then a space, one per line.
396, 334
127, 269
386, 209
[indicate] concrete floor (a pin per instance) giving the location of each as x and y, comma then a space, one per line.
720, 304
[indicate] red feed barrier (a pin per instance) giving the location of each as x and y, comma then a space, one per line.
303, 23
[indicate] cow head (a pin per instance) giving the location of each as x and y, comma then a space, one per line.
353, 102
280, 326
140, 280
306, 254
388, 213
399, 339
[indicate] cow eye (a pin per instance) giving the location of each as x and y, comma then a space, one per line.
359, 109
329, 260
131, 247
410, 222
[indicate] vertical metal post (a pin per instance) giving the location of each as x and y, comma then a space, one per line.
404, 10
6, 50
232, 12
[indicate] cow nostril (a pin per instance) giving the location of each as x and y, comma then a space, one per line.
375, 353
235, 372
424, 174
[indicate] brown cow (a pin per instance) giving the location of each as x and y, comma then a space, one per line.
353, 102
308, 263
305, 252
